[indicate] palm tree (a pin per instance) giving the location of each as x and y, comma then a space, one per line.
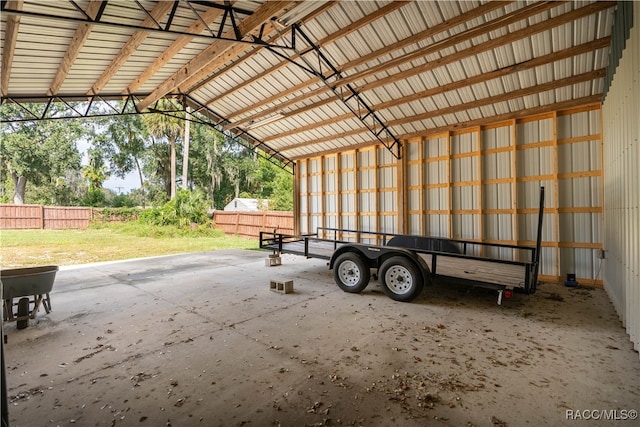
96, 172
169, 127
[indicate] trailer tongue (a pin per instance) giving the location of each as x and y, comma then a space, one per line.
406, 263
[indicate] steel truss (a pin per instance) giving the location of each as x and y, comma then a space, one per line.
320, 66
200, 113
59, 107
229, 21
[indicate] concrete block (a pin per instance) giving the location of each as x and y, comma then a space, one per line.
284, 287
271, 262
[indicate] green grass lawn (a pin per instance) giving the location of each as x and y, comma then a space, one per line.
23, 248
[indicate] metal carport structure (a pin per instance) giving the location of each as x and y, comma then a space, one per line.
438, 118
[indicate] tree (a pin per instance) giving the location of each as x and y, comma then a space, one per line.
206, 162
40, 152
185, 149
96, 173
282, 197
169, 127
125, 144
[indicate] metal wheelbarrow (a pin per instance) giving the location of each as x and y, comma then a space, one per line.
31, 287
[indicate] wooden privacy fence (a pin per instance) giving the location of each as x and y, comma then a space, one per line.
252, 223
16, 217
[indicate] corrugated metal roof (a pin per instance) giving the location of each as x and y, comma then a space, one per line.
385, 51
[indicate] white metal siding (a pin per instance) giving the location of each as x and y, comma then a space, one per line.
480, 184
621, 129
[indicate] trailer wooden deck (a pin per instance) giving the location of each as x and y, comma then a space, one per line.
476, 270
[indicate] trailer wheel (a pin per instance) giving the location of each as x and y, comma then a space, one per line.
351, 272
400, 279
23, 313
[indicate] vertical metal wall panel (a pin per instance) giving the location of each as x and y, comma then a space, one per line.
385, 158
414, 224
437, 226
315, 194
330, 191
532, 132
621, 131
347, 191
536, 166
348, 203
480, 184
303, 196
413, 175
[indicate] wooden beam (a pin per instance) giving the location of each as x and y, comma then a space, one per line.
296, 198
506, 116
401, 191
9, 47
304, 85
77, 41
480, 78
208, 17
514, 186
461, 126
478, 152
158, 12
218, 53
454, 109
473, 14
276, 98
366, 20
420, 53
532, 63
569, 81
501, 72
450, 42
556, 190
449, 174
248, 55
339, 193
320, 190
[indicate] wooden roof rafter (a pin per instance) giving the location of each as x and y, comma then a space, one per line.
94, 11
241, 60
129, 48
468, 52
198, 25
468, 106
218, 52
466, 17
469, 81
407, 61
8, 50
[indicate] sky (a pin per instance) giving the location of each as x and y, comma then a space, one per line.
120, 186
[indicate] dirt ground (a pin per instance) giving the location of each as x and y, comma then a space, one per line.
200, 339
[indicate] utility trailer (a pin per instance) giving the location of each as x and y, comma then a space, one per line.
405, 263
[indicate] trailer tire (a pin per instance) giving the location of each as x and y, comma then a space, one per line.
351, 273
400, 278
23, 313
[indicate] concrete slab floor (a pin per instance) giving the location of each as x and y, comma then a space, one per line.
199, 339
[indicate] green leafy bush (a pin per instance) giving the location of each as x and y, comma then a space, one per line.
187, 209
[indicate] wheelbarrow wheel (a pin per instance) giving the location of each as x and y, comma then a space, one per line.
23, 313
